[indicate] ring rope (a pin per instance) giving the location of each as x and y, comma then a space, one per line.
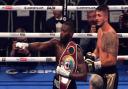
27, 59
71, 8
54, 35
42, 59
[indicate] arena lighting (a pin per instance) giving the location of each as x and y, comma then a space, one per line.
71, 8
54, 35
42, 59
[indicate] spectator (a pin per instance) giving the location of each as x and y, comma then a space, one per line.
123, 46
88, 44
54, 23
15, 52
96, 82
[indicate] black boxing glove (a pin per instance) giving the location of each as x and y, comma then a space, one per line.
90, 56
90, 65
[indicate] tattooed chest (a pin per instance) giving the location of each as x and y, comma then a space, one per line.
109, 43
103, 42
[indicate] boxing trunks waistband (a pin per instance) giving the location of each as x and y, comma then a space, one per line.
107, 70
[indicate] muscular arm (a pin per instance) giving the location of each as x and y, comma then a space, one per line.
96, 51
18, 52
110, 48
42, 45
81, 73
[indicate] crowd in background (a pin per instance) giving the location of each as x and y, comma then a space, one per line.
45, 21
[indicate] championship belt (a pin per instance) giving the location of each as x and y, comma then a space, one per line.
69, 60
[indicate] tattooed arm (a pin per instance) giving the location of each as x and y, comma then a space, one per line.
110, 48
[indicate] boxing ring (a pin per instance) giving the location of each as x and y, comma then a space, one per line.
42, 76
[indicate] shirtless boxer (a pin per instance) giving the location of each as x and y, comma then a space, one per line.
106, 51
59, 46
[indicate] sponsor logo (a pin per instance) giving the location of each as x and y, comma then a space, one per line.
23, 59
33, 71
120, 35
22, 34
89, 34
34, 8
52, 34
48, 59
50, 7
3, 59
7, 7
85, 8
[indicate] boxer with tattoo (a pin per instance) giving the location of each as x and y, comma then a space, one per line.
106, 52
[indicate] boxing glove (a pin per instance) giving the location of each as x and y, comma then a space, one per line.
90, 56
93, 65
90, 65
22, 45
61, 71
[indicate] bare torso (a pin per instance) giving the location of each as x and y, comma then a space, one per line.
107, 45
59, 48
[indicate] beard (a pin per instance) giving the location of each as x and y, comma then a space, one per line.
65, 39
